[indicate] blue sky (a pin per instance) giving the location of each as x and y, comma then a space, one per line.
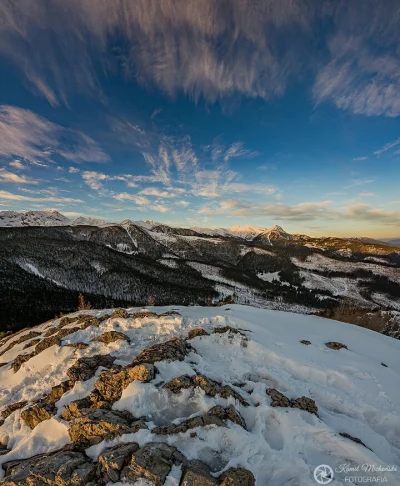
204, 113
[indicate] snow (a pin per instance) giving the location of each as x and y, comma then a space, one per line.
353, 391
269, 276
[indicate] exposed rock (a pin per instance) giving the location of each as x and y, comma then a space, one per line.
31, 343
94, 425
210, 387
175, 349
224, 329
58, 391
11, 408
141, 315
88, 321
66, 331
85, 368
61, 468
198, 331
64, 321
78, 345
111, 383
111, 336
196, 473
112, 461
37, 413
228, 413
25, 337
188, 424
303, 403
237, 477
304, 341
336, 345
20, 360
152, 462
119, 313
385, 365
104, 317
47, 343
3, 450
354, 439
73, 409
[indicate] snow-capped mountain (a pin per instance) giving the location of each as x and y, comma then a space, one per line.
84, 221
212, 396
47, 217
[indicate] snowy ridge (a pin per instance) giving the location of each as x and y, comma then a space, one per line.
245, 362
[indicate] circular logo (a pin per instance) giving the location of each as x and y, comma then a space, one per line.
323, 474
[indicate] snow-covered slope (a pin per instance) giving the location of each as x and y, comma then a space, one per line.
82, 221
249, 363
48, 217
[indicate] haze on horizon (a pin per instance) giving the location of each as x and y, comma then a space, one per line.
204, 113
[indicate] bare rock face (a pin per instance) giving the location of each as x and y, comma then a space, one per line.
95, 425
228, 413
196, 473
111, 383
31, 343
303, 403
25, 337
210, 387
66, 331
20, 360
237, 477
74, 409
198, 331
78, 345
37, 413
119, 313
175, 349
336, 345
112, 461
11, 408
66, 468
85, 368
111, 336
152, 462
47, 343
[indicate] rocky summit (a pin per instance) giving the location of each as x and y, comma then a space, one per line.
194, 396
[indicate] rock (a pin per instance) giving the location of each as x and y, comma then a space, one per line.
73, 409
335, 345
94, 425
25, 337
58, 391
237, 477
31, 343
37, 413
112, 461
303, 403
119, 313
198, 331
61, 468
3, 450
11, 408
224, 329
85, 368
111, 383
304, 341
78, 345
175, 349
196, 473
354, 439
228, 413
20, 360
111, 336
64, 321
210, 387
152, 462
385, 365
66, 331
47, 343
87, 321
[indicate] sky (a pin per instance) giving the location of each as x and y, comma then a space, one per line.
204, 113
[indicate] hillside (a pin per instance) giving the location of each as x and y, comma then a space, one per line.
227, 396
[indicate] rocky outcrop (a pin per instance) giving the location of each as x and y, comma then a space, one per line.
20, 360
175, 349
336, 345
354, 439
198, 331
47, 343
63, 468
111, 336
94, 425
78, 345
25, 337
196, 473
85, 368
304, 341
237, 477
303, 403
210, 387
112, 461
229, 329
119, 313
11, 408
31, 343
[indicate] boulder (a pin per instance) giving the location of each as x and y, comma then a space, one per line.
111, 336
228, 413
336, 345
119, 313
37, 413
304, 341
112, 461
237, 477
175, 349
85, 368
303, 403
9, 409
78, 345
225, 329
198, 331
66, 331
196, 473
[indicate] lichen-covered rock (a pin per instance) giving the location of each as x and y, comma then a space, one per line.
111, 383
47, 343
61, 468
11, 408
111, 336
112, 461
37, 413
237, 477
196, 473
152, 462
198, 331
66, 331
119, 313
95, 425
73, 409
303, 403
175, 349
335, 345
85, 368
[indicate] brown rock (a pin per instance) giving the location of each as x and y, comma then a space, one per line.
228, 413
11, 408
112, 461
85, 368
78, 345
66, 331
37, 413
335, 345
73, 409
198, 331
58, 391
175, 349
119, 313
47, 343
111, 336
304, 341
25, 337
196, 473
303, 403
31, 343
20, 360
237, 477
224, 329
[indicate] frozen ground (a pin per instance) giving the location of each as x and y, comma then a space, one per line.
354, 393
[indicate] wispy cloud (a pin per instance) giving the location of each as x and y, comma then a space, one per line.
387, 147
359, 182
359, 159
35, 139
6, 176
8, 196
16, 164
